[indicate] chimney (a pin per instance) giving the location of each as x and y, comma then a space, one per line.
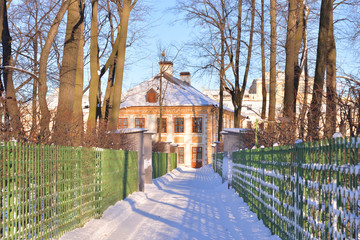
166, 67
185, 77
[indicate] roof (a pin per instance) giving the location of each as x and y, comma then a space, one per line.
175, 92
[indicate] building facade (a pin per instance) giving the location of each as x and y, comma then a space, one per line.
189, 118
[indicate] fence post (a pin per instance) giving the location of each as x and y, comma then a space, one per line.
216, 153
174, 148
148, 169
137, 137
169, 156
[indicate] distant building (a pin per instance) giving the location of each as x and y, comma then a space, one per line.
189, 118
252, 101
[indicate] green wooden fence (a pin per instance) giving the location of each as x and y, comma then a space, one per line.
219, 162
47, 191
173, 161
303, 191
159, 164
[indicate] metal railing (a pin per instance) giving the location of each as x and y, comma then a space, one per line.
47, 191
303, 191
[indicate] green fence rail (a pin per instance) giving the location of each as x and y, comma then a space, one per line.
159, 164
173, 161
47, 191
303, 191
218, 162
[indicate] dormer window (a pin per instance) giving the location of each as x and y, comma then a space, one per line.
151, 96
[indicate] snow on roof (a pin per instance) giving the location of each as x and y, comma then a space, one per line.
175, 93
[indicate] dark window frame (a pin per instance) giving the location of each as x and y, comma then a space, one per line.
198, 154
197, 125
122, 125
163, 126
140, 125
178, 125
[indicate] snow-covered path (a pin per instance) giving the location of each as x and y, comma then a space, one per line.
185, 204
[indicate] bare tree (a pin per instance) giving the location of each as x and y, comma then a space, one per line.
68, 74
224, 21
12, 113
263, 67
94, 68
348, 103
125, 8
273, 38
315, 107
45, 113
330, 124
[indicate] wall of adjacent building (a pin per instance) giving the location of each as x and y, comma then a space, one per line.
252, 101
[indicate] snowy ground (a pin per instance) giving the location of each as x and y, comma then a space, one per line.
185, 204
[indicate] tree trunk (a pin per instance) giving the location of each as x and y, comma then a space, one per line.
112, 65
236, 94
159, 125
263, 70
11, 107
315, 106
248, 60
304, 107
78, 122
273, 37
108, 93
68, 71
299, 34
120, 62
221, 109
330, 124
289, 99
221, 89
94, 68
45, 113
34, 126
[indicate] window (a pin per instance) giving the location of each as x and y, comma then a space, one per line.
179, 125
181, 155
151, 96
249, 124
197, 125
163, 125
196, 153
140, 122
123, 123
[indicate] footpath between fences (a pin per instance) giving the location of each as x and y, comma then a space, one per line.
301, 191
